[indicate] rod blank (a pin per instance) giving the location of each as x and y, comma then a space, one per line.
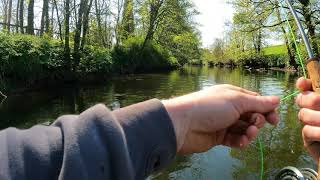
301, 29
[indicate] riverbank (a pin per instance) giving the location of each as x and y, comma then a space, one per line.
30, 62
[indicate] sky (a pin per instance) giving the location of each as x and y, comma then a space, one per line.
213, 15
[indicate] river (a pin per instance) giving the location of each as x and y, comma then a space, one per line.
282, 145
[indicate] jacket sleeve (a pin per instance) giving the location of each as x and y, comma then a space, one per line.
129, 143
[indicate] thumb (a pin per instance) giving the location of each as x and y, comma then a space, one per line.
257, 104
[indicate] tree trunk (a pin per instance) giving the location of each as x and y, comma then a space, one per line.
44, 17
21, 11
17, 17
52, 14
259, 41
292, 61
307, 14
85, 24
67, 36
9, 16
98, 16
30, 26
117, 28
154, 13
58, 18
5, 16
47, 24
127, 25
77, 36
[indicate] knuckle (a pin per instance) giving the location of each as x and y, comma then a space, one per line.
301, 114
314, 101
305, 132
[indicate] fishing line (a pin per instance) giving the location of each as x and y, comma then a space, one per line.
262, 159
298, 51
289, 96
295, 42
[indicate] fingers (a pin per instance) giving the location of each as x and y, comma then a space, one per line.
309, 100
247, 120
309, 117
273, 118
311, 140
310, 134
245, 131
241, 141
304, 84
258, 104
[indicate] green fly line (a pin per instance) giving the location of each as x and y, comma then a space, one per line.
295, 42
262, 158
298, 51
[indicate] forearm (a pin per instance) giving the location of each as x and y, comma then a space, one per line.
129, 143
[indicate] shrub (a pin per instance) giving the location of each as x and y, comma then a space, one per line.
131, 57
28, 57
96, 60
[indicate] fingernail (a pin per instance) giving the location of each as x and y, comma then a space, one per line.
274, 100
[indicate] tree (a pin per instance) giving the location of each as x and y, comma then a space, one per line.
82, 23
9, 16
290, 51
117, 29
17, 16
99, 22
67, 35
85, 24
5, 16
44, 26
30, 26
58, 18
127, 27
311, 26
21, 11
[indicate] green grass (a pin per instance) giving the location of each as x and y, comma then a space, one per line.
275, 50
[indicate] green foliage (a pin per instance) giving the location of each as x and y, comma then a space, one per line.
96, 60
274, 56
27, 57
130, 57
186, 47
262, 61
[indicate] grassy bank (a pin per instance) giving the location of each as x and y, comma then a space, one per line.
269, 57
30, 60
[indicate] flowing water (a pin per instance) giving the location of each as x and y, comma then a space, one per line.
282, 144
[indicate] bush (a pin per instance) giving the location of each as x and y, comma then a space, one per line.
96, 60
130, 57
261, 60
27, 57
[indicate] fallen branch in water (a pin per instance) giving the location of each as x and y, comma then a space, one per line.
3, 95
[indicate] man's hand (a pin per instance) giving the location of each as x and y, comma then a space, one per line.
309, 115
220, 115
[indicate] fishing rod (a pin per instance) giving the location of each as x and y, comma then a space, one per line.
313, 67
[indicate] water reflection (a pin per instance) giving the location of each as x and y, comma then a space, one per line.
282, 144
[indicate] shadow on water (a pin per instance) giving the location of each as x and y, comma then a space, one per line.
282, 144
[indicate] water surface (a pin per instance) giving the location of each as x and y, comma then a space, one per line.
282, 144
